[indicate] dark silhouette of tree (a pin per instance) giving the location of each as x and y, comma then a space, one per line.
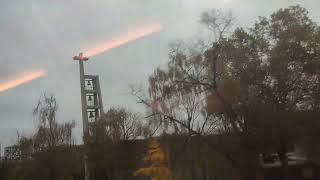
50, 133
259, 84
106, 134
50, 152
51, 140
122, 124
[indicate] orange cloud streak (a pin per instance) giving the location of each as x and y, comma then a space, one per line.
124, 39
21, 79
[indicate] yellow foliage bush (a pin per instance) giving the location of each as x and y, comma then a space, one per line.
157, 160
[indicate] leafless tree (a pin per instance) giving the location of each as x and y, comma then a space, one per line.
118, 124
270, 69
122, 123
177, 94
50, 133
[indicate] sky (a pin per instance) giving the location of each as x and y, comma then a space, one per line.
46, 34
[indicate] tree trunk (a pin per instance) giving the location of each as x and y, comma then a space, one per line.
193, 169
282, 153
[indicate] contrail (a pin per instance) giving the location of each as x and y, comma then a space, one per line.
115, 42
21, 79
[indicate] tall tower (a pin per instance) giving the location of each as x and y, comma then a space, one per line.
91, 101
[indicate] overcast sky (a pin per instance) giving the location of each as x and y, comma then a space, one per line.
46, 34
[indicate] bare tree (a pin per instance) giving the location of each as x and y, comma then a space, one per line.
270, 70
117, 124
48, 153
178, 93
122, 123
219, 22
50, 133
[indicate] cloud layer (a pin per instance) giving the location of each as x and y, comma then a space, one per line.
46, 34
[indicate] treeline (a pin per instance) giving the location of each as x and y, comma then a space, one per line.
215, 108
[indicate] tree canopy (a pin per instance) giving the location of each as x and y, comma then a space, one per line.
261, 83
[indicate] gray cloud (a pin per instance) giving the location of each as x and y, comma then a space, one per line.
46, 34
